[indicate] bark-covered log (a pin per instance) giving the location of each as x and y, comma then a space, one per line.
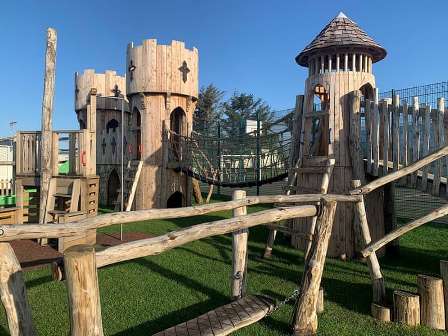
406, 308
305, 315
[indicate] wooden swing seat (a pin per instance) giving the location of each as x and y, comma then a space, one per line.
225, 319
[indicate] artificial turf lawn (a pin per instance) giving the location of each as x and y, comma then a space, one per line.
150, 294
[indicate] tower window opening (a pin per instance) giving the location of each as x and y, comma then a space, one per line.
317, 126
112, 125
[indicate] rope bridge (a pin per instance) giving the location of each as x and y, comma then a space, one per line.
240, 160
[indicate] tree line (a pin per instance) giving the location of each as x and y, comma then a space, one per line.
230, 115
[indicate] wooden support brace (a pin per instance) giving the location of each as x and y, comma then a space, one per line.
305, 316
239, 249
13, 294
379, 291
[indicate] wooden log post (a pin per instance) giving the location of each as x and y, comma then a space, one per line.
13, 294
432, 308
379, 312
378, 288
305, 316
83, 292
444, 275
320, 301
239, 249
406, 308
47, 109
355, 136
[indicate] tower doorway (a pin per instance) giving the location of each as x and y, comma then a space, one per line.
113, 188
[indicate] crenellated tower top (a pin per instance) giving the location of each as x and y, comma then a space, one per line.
154, 68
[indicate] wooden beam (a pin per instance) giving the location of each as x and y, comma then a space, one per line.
379, 290
378, 183
157, 245
47, 109
355, 136
35, 231
371, 248
13, 294
305, 313
239, 252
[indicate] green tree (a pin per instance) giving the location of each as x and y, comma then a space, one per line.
241, 107
208, 108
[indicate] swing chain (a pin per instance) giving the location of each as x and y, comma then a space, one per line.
280, 304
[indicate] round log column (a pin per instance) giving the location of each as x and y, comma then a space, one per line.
432, 308
406, 308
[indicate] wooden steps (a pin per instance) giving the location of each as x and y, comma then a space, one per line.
225, 319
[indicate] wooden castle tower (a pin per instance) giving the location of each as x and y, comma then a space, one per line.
159, 93
110, 95
162, 88
339, 61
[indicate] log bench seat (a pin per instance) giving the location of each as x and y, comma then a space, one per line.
225, 319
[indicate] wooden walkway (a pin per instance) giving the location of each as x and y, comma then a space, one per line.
225, 319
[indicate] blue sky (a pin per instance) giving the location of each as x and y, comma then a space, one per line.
247, 46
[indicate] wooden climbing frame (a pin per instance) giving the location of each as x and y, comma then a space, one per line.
82, 262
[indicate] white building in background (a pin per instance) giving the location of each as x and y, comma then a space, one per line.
6, 162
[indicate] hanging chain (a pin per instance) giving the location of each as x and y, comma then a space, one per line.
280, 304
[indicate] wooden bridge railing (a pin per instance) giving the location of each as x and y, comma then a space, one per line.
397, 134
81, 262
77, 143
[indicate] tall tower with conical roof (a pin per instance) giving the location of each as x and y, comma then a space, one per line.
339, 61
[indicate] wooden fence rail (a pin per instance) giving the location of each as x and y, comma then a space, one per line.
157, 245
36, 231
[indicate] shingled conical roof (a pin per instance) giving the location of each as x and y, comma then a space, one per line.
342, 34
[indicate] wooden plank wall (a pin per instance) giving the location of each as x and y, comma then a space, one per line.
407, 132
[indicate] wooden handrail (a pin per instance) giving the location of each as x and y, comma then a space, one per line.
157, 245
372, 247
400, 173
36, 231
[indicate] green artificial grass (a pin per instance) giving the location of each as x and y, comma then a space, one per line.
147, 295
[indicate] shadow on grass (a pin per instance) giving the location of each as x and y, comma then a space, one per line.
215, 299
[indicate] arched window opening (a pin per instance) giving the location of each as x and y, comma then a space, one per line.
113, 188
367, 96
178, 129
112, 125
176, 200
137, 121
318, 126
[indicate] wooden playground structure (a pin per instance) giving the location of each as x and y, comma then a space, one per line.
337, 199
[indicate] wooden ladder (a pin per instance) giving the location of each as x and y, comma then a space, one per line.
317, 169
131, 179
61, 202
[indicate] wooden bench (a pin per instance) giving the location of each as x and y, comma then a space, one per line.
225, 319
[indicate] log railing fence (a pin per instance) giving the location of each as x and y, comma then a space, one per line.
82, 262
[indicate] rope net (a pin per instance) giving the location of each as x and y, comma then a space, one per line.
243, 159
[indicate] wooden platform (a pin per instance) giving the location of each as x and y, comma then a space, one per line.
225, 319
